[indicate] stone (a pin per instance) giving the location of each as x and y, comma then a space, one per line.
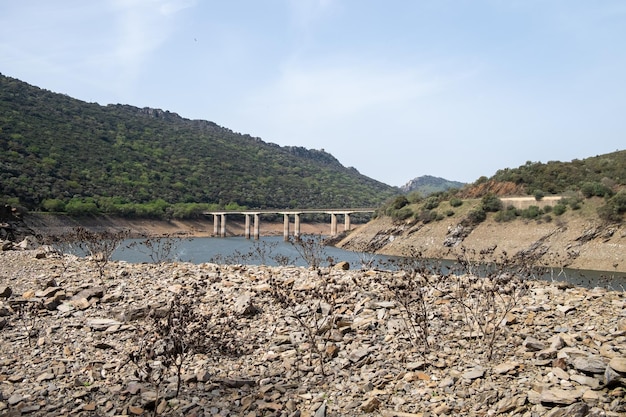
591, 364
588, 381
475, 373
5, 292
611, 377
370, 405
135, 410
560, 396
549, 353
46, 376
533, 345
102, 324
321, 411
618, 364
579, 409
342, 266
90, 406
245, 307
358, 354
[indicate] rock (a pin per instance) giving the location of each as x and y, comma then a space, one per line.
342, 266
579, 409
533, 345
477, 372
611, 377
591, 364
245, 307
549, 353
370, 405
5, 292
102, 324
358, 354
46, 376
321, 411
560, 396
618, 364
588, 381
135, 410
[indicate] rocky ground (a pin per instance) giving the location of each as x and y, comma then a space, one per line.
270, 341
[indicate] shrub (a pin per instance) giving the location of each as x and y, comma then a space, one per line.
414, 197
431, 203
449, 213
402, 214
399, 202
456, 202
539, 195
559, 209
614, 209
507, 215
426, 216
53, 204
532, 212
474, 217
81, 207
491, 203
595, 189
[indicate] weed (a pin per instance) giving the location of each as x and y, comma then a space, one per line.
311, 249
159, 249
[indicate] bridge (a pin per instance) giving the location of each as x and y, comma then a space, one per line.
219, 219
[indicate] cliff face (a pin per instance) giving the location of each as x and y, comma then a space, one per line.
572, 240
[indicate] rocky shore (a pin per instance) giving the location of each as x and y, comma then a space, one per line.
293, 341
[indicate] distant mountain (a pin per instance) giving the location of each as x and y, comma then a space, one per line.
427, 185
58, 153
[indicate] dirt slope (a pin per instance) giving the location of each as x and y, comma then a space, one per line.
574, 239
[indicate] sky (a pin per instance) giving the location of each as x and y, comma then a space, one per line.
396, 89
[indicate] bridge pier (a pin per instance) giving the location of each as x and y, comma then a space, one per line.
219, 220
285, 227
256, 226
223, 231
247, 227
333, 224
296, 225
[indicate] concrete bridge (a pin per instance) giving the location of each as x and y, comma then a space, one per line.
219, 219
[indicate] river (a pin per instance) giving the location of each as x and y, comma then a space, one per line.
274, 251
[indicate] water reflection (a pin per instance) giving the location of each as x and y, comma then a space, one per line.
274, 251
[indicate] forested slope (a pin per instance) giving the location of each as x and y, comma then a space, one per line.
58, 153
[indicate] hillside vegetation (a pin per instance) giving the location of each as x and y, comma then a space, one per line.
427, 184
62, 154
561, 214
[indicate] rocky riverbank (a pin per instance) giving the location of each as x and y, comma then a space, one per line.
294, 342
576, 239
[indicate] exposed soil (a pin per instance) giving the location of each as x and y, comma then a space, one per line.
58, 224
574, 239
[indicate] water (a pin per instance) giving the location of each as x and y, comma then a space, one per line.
265, 251
274, 251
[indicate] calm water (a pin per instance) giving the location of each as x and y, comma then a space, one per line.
274, 250
241, 250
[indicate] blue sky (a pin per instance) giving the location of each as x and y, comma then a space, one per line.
397, 88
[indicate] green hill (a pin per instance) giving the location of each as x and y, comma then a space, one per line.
427, 184
597, 175
62, 154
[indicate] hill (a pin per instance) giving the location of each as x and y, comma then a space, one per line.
576, 238
62, 154
599, 176
581, 227
427, 184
